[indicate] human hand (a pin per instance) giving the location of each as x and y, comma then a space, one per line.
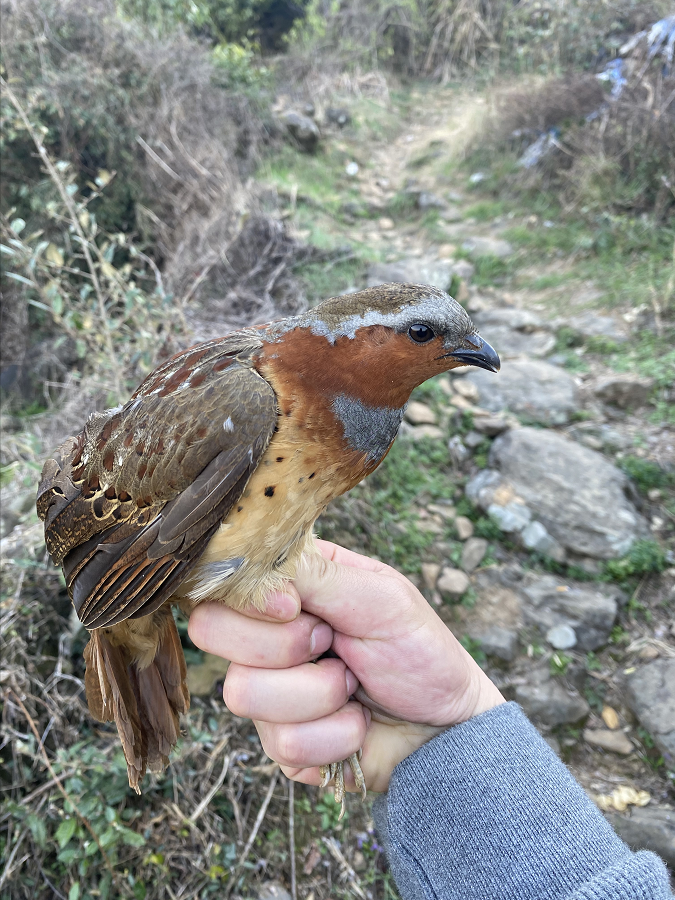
416, 676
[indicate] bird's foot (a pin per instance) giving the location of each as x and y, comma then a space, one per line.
335, 772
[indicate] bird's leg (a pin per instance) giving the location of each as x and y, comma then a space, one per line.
335, 772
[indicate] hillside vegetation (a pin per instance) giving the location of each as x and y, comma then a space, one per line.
174, 170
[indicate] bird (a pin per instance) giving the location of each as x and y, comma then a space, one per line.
206, 484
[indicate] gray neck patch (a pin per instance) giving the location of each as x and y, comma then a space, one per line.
367, 429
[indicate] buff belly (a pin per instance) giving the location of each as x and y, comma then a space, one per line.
259, 545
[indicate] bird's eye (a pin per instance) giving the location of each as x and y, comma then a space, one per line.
420, 333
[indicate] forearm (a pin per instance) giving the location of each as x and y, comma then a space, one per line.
486, 810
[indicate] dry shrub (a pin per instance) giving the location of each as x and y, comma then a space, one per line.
530, 109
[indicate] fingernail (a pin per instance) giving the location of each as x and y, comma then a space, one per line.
281, 606
352, 681
322, 638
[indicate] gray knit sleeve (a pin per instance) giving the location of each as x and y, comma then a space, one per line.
487, 811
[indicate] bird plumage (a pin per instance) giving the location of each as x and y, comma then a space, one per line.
207, 483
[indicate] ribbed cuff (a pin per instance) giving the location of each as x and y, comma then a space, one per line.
487, 810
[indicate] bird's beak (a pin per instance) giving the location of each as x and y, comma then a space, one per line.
484, 356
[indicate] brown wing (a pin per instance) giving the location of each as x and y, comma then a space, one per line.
131, 503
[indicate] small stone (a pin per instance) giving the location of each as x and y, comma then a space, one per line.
463, 269
430, 573
491, 426
654, 494
420, 414
460, 402
452, 583
651, 696
530, 388
473, 553
338, 116
464, 527
303, 130
466, 389
447, 513
511, 518
535, 537
473, 439
648, 829
499, 642
561, 637
551, 704
452, 214
427, 200
649, 653
486, 246
613, 741
386, 224
359, 863
624, 391
610, 717
352, 169
272, 890
458, 452
426, 431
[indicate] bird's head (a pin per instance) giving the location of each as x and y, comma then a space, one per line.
423, 322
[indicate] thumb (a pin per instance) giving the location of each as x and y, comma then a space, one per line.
359, 598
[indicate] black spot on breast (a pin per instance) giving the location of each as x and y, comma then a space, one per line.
239, 508
280, 459
269, 490
312, 475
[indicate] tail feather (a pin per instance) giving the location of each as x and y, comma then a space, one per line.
144, 701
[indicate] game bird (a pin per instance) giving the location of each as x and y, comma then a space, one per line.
206, 484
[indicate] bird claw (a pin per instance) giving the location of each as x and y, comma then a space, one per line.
335, 772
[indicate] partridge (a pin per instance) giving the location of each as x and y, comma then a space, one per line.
206, 484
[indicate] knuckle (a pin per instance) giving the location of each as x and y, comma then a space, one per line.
234, 693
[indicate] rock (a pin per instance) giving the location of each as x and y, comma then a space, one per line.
487, 246
465, 389
420, 414
463, 269
352, 169
427, 200
430, 573
612, 741
532, 389
424, 431
452, 583
447, 512
514, 517
458, 452
651, 696
415, 270
516, 332
473, 439
272, 890
626, 391
385, 224
647, 829
499, 642
473, 553
303, 130
464, 527
576, 494
338, 116
610, 717
589, 609
550, 704
490, 426
452, 214
587, 324
561, 637
535, 537
202, 678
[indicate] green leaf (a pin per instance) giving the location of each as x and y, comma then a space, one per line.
57, 304
38, 829
132, 838
65, 831
17, 225
74, 892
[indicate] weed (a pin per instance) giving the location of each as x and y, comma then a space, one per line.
487, 528
491, 270
646, 474
593, 664
644, 558
559, 662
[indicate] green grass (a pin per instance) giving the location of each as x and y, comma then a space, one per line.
646, 474
645, 557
